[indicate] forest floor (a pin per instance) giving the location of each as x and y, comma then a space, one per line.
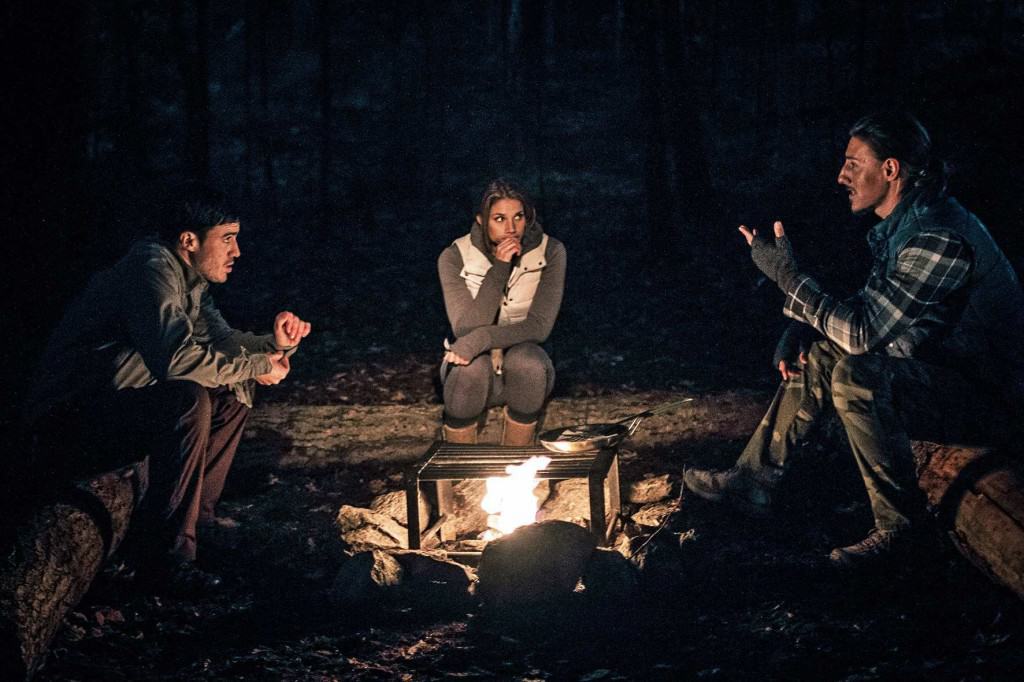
738, 599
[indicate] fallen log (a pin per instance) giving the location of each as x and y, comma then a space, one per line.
978, 496
55, 557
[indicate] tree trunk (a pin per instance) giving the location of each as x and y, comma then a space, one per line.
131, 115
326, 119
193, 66
247, 67
267, 129
656, 173
47, 188
979, 498
693, 184
56, 556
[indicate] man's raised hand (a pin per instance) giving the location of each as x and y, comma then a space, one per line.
774, 259
750, 234
289, 330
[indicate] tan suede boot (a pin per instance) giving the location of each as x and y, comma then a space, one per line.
517, 433
466, 434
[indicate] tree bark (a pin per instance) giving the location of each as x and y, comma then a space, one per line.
194, 70
267, 128
326, 118
656, 173
248, 60
55, 558
979, 498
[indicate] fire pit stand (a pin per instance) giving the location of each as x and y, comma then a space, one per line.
447, 462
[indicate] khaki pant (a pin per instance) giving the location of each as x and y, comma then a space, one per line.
189, 432
883, 403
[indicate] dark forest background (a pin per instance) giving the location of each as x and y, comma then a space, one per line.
357, 134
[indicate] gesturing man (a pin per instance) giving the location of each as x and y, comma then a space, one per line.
143, 363
930, 346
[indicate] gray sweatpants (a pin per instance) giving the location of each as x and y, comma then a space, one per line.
525, 383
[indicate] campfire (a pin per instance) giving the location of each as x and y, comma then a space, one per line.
510, 502
510, 476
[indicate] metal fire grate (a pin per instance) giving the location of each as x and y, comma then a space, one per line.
446, 462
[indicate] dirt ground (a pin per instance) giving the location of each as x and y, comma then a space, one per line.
722, 597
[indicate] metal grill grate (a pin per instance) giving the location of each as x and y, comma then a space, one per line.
444, 462
452, 461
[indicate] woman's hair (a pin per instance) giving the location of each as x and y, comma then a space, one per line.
505, 189
899, 135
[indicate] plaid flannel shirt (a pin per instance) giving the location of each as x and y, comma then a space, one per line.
900, 305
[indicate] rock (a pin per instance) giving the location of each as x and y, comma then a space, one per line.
365, 576
364, 529
610, 577
431, 578
662, 564
393, 504
652, 515
427, 578
650, 489
469, 518
569, 501
542, 491
536, 563
622, 544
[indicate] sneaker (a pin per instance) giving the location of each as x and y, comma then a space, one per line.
877, 547
733, 486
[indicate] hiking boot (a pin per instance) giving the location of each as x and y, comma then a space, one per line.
517, 433
462, 434
732, 486
877, 547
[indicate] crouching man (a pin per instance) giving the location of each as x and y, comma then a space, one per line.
142, 363
929, 348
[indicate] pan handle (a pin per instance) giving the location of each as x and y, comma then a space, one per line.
633, 421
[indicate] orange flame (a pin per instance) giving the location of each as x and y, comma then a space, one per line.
510, 502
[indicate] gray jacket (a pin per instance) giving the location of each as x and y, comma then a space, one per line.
474, 319
147, 319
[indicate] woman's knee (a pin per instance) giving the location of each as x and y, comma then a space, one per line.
529, 377
466, 388
527, 360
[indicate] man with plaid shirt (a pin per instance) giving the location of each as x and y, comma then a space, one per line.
930, 347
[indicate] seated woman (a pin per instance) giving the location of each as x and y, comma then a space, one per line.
502, 287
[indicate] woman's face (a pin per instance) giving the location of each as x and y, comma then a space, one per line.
507, 219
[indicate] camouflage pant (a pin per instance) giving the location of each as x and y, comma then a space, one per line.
882, 402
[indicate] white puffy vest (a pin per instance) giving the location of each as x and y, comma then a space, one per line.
522, 282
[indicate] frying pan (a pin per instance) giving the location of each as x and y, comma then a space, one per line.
584, 437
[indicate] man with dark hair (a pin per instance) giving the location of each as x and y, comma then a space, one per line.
930, 347
143, 363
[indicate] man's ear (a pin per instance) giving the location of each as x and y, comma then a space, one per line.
189, 241
891, 168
